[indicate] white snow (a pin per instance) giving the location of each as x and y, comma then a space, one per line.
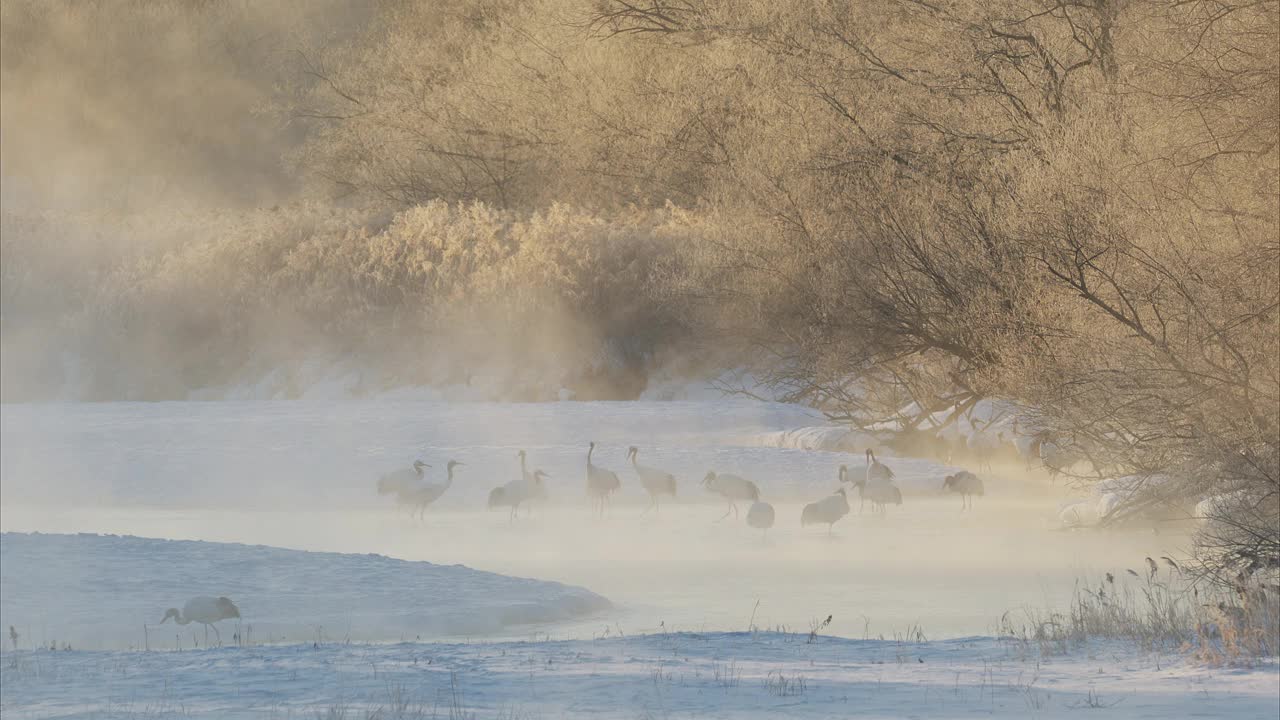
819, 437
667, 384
725, 675
1105, 496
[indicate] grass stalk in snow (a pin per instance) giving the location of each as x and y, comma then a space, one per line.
1158, 611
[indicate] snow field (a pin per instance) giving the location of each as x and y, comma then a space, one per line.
714, 675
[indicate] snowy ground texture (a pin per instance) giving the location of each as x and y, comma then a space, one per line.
100, 591
711, 675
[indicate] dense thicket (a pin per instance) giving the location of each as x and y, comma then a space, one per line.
888, 208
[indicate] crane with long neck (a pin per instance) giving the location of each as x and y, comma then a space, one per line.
656, 482
419, 497
206, 611
601, 483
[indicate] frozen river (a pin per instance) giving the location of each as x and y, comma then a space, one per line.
302, 475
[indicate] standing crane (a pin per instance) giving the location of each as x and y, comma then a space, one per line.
206, 611
400, 480
877, 472
412, 490
760, 516
857, 478
423, 495
827, 510
880, 494
982, 443
732, 488
966, 484
656, 482
517, 492
536, 490
601, 483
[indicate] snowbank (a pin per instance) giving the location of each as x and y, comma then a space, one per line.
667, 384
735, 675
100, 590
1106, 497
822, 437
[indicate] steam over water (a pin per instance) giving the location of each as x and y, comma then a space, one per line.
303, 476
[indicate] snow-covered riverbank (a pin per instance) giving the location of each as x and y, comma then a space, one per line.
93, 592
705, 675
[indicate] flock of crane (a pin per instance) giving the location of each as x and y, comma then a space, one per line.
874, 483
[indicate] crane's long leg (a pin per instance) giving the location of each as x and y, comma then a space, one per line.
726, 513
652, 504
216, 634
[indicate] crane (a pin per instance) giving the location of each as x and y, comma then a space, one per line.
656, 482
206, 611
966, 484
827, 510
518, 491
732, 488
760, 516
601, 483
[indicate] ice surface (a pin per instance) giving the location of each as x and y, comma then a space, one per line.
98, 591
